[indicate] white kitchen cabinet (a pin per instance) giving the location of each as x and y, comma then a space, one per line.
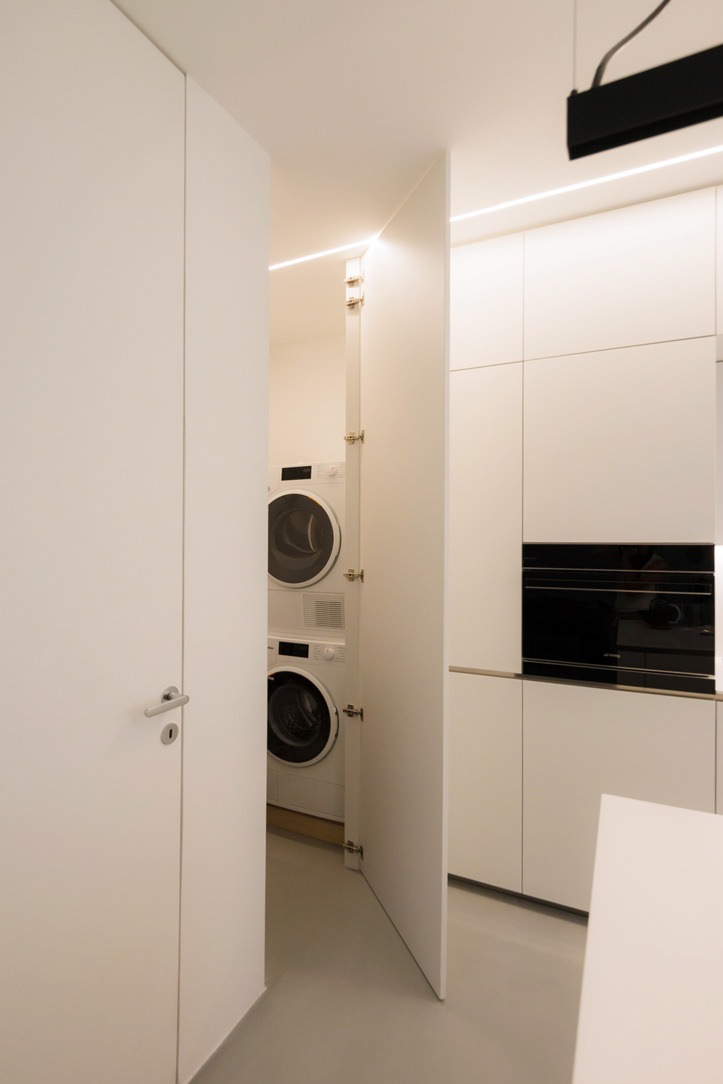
486, 303
485, 779
580, 743
485, 515
620, 446
718, 536
634, 275
719, 262
719, 760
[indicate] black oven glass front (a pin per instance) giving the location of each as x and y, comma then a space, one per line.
620, 614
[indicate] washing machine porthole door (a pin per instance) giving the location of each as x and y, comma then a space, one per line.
304, 538
302, 720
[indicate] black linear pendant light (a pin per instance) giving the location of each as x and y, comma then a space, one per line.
662, 99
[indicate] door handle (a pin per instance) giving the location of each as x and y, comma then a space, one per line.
170, 699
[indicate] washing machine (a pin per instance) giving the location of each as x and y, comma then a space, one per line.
305, 726
307, 585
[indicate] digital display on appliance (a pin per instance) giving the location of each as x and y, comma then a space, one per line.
295, 474
296, 651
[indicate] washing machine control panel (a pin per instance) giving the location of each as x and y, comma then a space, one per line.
310, 472
311, 650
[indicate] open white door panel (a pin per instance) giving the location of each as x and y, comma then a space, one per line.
403, 399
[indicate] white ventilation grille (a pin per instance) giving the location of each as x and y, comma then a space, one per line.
323, 611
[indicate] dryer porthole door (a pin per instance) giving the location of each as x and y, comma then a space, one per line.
302, 719
304, 538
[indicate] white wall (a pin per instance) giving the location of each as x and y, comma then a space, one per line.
307, 401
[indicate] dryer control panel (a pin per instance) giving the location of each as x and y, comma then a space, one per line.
314, 651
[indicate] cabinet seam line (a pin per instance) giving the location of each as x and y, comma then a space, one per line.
183, 567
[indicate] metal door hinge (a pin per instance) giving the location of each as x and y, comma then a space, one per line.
352, 574
352, 438
351, 711
352, 302
353, 848
353, 280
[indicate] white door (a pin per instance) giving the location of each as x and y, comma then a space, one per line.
224, 650
91, 266
403, 527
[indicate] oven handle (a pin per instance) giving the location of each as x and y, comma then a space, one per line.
618, 591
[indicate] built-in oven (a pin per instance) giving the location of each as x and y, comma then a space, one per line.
638, 615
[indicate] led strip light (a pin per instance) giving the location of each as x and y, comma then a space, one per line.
693, 156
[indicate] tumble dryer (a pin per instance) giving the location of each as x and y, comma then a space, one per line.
306, 569
305, 731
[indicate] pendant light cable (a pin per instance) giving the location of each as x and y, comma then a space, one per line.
574, 43
597, 78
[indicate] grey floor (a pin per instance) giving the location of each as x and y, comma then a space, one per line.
345, 1001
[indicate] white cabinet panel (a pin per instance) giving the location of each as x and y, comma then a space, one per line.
224, 827
718, 537
486, 303
580, 743
634, 275
719, 262
719, 760
485, 780
403, 650
620, 446
485, 510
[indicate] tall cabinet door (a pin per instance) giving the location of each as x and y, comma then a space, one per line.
225, 617
91, 427
403, 537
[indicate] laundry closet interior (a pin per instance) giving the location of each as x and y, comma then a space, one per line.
356, 631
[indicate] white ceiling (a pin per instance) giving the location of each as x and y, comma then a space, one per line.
353, 101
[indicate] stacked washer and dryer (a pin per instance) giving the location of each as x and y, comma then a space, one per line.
306, 663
